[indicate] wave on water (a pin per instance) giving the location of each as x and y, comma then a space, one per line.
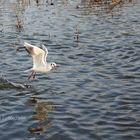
5, 84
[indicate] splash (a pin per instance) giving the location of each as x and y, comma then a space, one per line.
6, 84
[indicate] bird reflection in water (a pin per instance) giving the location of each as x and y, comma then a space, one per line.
42, 109
41, 112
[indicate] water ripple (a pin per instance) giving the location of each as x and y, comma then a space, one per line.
94, 94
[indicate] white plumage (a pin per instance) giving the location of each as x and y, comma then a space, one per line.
39, 56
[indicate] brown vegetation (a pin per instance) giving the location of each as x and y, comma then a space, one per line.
102, 6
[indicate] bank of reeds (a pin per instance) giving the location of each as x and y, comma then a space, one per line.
103, 6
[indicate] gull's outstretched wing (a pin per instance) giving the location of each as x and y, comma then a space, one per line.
37, 54
46, 52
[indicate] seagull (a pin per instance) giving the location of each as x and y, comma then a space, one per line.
39, 56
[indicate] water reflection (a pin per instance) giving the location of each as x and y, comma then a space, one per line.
41, 111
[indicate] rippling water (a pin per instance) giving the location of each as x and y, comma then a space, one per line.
94, 94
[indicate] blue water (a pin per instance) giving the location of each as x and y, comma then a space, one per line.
94, 94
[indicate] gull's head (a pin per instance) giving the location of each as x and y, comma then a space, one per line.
53, 65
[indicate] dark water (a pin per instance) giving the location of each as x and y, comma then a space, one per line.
94, 94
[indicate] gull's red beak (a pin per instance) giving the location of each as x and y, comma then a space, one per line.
57, 66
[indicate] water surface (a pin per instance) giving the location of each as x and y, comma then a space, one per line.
94, 94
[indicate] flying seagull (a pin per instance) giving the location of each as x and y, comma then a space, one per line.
39, 56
